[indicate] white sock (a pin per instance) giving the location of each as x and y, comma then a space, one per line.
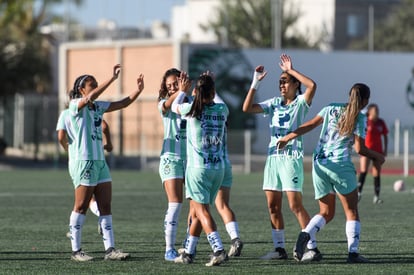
93, 206
353, 229
171, 224
107, 231
232, 229
76, 221
215, 241
191, 244
278, 237
314, 225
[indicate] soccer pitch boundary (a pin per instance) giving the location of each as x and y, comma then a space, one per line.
35, 207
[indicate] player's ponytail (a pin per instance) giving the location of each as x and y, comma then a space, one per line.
357, 94
204, 92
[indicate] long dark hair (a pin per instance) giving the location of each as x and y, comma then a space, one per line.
204, 91
163, 89
357, 94
294, 80
80, 83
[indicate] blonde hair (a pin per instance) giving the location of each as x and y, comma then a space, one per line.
357, 94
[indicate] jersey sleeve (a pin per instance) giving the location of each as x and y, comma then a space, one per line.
184, 108
61, 121
160, 103
266, 106
103, 105
360, 127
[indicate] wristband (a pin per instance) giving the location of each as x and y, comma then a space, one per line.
255, 81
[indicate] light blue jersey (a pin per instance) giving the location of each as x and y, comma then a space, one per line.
84, 128
283, 119
205, 136
333, 147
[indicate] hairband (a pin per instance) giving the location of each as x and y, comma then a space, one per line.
82, 80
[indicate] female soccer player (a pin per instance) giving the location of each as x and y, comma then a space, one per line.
90, 172
333, 171
222, 204
284, 167
377, 140
205, 164
66, 145
172, 158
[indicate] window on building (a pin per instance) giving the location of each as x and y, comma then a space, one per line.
354, 25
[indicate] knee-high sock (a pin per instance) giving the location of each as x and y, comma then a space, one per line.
171, 224
361, 181
278, 237
215, 241
107, 231
377, 185
314, 225
232, 229
76, 221
353, 230
191, 244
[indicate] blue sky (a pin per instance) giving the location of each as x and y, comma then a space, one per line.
131, 13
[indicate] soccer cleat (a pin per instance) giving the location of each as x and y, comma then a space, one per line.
218, 258
312, 255
184, 258
80, 256
300, 245
170, 255
377, 200
115, 254
235, 248
278, 254
356, 258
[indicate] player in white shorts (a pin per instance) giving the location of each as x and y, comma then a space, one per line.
343, 127
172, 158
66, 145
284, 167
89, 170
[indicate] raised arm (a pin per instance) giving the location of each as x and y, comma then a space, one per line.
95, 93
248, 105
301, 130
286, 65
184, 85
126, 101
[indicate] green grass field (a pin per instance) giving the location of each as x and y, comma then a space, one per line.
35, 207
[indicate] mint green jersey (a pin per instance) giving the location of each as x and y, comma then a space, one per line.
333, 147
205, 136
174, 143
283, 119
84, 128
61, 125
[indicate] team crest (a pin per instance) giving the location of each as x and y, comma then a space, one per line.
86, 175
167, 169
